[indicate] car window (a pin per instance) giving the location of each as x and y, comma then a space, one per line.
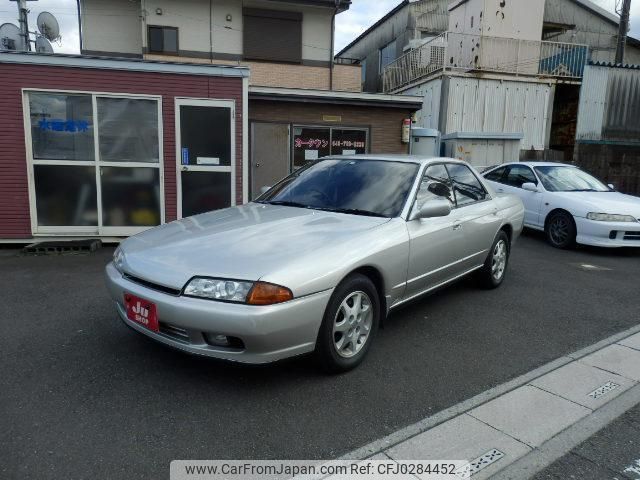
519, 174
466, 187
435, 184
564, 178
496, 175
358, 187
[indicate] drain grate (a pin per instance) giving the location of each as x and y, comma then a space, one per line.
603, 390
483, 461
62, 247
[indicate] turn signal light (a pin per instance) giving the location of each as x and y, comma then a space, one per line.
267, 294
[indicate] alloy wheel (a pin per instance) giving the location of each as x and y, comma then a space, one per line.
559, 230
499, 260
352, 324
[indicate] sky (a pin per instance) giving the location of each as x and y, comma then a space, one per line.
349, 24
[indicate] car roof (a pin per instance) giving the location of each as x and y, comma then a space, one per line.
535, 164
395, 158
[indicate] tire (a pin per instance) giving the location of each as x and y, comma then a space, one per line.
346, 335
492, 274
560, 230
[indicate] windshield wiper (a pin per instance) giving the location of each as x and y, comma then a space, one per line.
586, 190
286, 203
354, 211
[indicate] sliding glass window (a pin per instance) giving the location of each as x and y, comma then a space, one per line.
96, 163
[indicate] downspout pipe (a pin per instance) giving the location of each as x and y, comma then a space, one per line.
333, 34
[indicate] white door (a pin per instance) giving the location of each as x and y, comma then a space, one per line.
518, 175
205, 155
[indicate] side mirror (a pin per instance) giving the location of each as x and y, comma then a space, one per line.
437, 207
264, 190
611, 186
530, 187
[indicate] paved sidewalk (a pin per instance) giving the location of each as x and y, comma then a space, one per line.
612, 453
533, 422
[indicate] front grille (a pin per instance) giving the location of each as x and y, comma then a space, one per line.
632, 235
174, 332
153, 286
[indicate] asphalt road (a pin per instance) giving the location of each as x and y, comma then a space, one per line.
83, 396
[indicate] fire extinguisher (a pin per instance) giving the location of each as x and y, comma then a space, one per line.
406, 130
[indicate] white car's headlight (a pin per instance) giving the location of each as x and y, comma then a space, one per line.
118, 259
258, 293
609, 217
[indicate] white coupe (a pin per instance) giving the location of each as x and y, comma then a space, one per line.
570, 205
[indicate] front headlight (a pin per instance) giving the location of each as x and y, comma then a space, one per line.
258, 293
609, 217
118, 259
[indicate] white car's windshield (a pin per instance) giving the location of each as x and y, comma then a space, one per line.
569, 179
361, 187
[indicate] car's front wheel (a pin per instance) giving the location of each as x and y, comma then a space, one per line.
349, 325
561, 230
492, 273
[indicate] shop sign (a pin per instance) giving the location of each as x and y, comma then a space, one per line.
59, 125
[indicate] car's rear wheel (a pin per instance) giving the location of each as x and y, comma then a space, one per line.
349, 325
561, 230
492, 274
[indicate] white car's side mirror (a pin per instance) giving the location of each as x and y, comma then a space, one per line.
437, 207
530, 187
611, 186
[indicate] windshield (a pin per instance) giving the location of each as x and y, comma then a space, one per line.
569, 179
360, 187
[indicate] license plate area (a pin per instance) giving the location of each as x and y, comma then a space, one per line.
141, 311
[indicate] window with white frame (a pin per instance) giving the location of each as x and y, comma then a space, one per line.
96, 162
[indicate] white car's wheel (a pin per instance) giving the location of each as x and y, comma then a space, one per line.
349, 325
560, 229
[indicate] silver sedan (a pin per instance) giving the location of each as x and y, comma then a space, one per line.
317, 262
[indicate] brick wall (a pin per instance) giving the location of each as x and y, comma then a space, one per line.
14, 198
385, 124
266, 74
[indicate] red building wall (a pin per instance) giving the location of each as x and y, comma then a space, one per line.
15, 219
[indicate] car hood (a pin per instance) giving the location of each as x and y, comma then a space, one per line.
242, 243
602, 202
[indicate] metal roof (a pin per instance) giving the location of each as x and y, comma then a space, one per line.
615, 65
483, 136
389, 14
113, 63
334, 97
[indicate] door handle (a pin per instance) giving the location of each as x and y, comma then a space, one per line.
185, 169
457, 226
499, 190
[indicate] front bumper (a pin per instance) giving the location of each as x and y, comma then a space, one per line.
607, 234
269, 333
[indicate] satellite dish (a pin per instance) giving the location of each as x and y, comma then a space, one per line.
43, 45
11, 38
48, 26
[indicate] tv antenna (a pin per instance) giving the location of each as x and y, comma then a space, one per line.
11, 38
17, 38
43, 45
48, 26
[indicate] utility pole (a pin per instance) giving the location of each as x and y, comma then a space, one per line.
24, 22
623, 28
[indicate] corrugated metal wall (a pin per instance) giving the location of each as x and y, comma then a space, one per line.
429, 116
481, 105
609, 104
